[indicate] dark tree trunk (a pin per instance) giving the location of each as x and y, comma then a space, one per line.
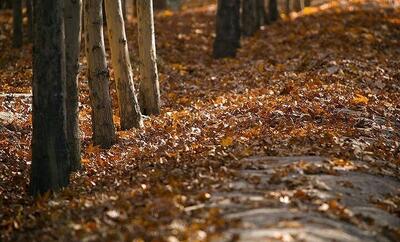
227, 39
123, 2
307, 3
29, 13
288, 7
298, 5
250, 17
72, 19
262, 16
17, 23
50, 162
273, 10
160, 4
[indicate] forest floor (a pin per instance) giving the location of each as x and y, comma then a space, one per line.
296, 139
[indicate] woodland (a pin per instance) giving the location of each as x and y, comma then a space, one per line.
200, 120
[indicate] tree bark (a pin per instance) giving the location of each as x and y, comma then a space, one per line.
72, 20
102, 122
227, 39
298, 5
250, 20
307, 3
288, 5
17, 23
262, 16
149, 93
160, 4
124, 9
29, 13
129, 109
50, 162
273, 10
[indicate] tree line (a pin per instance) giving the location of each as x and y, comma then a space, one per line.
56, 28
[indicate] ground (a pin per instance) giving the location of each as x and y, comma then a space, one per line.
296, 139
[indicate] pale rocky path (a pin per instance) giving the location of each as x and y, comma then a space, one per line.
310, 198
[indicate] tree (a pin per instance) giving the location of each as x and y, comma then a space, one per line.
298, 5
262, 16
160, 4
29, 13
227, 39
128, 105
250, 17
50, 162
273, 10
149, 92
17, 23
72, 20
98, 76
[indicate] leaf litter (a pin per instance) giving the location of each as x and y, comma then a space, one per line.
297, 135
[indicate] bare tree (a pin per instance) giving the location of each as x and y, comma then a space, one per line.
102, 122
50, 162
227, 39
72, 20
17, 23
273, 10
250, 17
149, 92
128, 105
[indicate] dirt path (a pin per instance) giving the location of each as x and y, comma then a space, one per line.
309, 198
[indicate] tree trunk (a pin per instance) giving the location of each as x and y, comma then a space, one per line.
288, 5
149, 93
124, 9
273, 10
250, 20
50, 162
298, 5
160, 4
262, 16
134, 8
128, 105
227, 39
29, 12
102, 122
307, 3
17, 23
72, 20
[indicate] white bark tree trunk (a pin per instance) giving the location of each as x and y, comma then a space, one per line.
102, 122
149, 93
129, 109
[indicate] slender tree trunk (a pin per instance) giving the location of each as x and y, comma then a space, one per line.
72, 20
160, 4
128, 105
149, 93
227, 39
288, 5
102, 122
250, 20
50, 162
273, 10
134, 8
17, 23
307, 3
262, 16
124, 9
29, 12
298, 5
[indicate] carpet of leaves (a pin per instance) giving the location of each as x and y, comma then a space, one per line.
325, 82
